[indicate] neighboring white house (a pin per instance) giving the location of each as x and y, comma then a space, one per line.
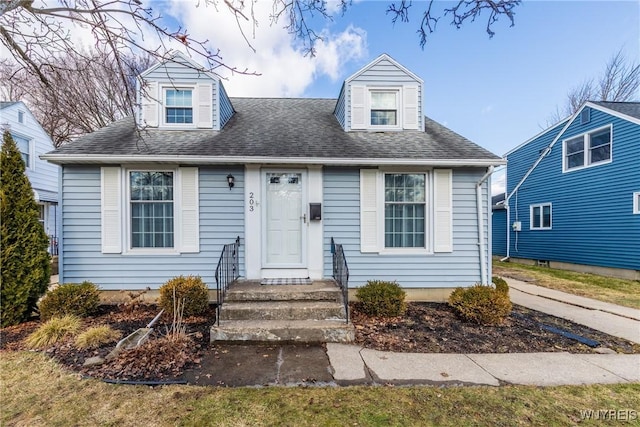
33, 141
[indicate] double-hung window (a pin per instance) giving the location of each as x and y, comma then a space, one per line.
151, 209
540, 216
384, 107
24, 146
404, 210
589, 149
178, 106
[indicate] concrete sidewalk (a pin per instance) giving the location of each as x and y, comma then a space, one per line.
355, 365
612, 319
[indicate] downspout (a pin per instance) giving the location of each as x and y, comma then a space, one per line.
506, 206
483, 266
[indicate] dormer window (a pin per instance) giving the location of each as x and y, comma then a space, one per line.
384, 107
178, 106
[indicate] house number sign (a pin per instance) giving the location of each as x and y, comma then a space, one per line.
252, 202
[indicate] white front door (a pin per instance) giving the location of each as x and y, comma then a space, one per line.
285, 221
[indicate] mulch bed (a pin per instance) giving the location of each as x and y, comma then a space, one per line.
425, 328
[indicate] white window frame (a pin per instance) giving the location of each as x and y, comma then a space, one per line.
540, 226
398, 93
128, 249
428, 235
31, 164
586, 139
163, 112
636, 203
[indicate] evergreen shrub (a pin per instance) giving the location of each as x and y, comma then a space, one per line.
190, 288
80, 299
381, 298
481, 304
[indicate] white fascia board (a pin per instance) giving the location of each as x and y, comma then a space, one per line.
378, 59
225, 160
561, 122
611, 112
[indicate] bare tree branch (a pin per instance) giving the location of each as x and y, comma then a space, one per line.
619, 82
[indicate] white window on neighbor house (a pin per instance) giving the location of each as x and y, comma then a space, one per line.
384, 108
25, 148
589, 149
178, 106
405, 210
151, 208
42, 214
636, 203
540, 216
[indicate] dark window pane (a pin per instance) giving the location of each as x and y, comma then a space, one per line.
546, 216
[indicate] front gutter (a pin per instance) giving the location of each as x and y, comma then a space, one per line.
62, 159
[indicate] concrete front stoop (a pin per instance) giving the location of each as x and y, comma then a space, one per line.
283, 313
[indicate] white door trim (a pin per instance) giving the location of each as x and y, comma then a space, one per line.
303, 223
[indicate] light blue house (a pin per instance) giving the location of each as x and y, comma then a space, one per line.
573, 192
33, 141
159, 195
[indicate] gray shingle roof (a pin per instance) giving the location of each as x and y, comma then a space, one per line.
279, 128
629, 108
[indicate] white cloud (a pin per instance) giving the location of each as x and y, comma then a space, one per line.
283, 67
498, 182
487, 109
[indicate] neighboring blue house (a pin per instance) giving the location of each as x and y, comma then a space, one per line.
573, 192
498, 225
406, 197
33, 141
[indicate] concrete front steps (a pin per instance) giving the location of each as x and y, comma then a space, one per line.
284, 313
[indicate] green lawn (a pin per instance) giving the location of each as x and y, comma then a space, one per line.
35, 391
607, 289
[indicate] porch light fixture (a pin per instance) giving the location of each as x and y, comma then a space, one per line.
230, 181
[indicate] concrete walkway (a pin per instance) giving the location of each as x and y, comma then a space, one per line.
612, 319
344, 364
355, 365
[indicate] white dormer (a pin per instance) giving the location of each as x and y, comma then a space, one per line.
382, 96
178, 93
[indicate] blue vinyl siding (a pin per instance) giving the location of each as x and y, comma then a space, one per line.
221, 221
593, 223
499, 230
226, 109
177, 73
341, 219
383, 73
340, 107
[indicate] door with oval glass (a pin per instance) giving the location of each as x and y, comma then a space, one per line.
285, 220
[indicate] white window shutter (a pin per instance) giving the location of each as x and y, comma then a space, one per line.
111, 205
369, 231
358, 107
443, 210
189, 227
150, 104
203, 105
410, 108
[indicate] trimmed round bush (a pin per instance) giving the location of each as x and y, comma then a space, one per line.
80, 299
481, 304
382, 299
191, 289
501, 284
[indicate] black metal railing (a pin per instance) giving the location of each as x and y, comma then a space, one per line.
227, 272
53, 245
341, 273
